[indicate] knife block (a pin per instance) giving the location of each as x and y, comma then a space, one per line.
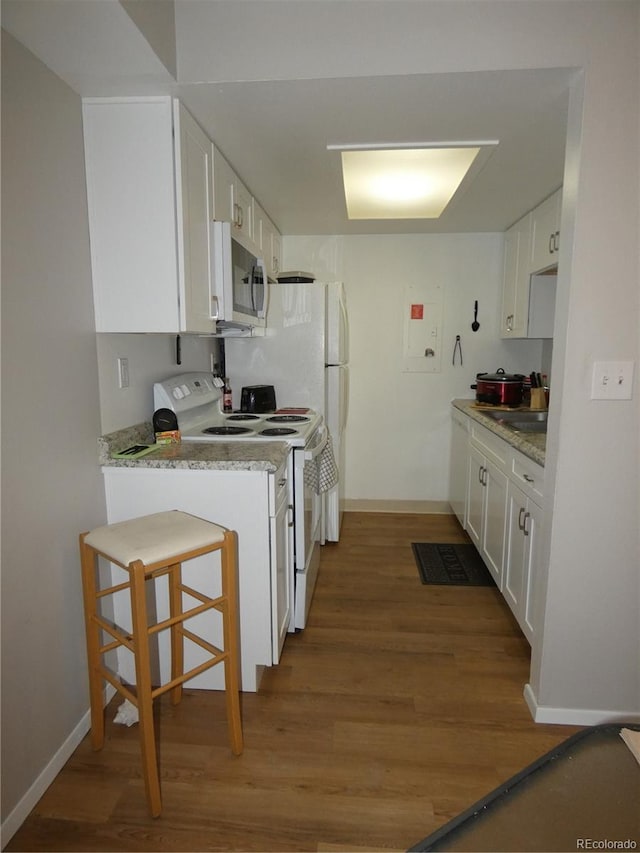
538, 399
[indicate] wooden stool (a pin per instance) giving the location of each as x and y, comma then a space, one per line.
149, 547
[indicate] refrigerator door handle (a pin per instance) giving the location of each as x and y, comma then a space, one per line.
344, 327
344, 402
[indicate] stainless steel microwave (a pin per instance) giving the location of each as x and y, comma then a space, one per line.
239, 280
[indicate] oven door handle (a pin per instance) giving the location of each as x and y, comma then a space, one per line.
317, 449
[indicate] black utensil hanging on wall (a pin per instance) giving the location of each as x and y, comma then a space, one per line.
475, 325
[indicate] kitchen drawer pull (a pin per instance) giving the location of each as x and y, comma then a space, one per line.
528, 478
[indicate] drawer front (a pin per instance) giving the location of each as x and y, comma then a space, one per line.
459, 418
528, 476
278, 488
495, 449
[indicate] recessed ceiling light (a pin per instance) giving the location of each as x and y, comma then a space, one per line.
414, 181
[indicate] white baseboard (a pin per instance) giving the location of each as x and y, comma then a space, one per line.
419, 507
19, 814
575, 716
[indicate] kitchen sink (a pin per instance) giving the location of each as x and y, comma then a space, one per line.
520, 421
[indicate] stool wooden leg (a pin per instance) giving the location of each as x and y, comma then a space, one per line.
89, 589
229, 565
177, 640
143, 682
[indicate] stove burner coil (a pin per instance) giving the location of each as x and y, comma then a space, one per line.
278, 430
226, 430
243, 417
288, 419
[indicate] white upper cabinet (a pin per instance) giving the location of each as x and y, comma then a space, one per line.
529, 284
148, 218
545, 233
232, 200
515, 286
195, 212
268, 240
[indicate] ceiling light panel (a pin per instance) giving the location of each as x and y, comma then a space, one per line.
403, 183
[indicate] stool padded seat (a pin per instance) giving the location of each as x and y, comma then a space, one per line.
154, 538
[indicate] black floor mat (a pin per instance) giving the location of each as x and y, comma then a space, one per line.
455, 565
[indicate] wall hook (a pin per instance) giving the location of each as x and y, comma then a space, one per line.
475, 325
457, 349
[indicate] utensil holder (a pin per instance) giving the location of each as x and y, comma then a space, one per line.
538, 399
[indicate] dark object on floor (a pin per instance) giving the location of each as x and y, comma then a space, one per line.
455, 565
586, 788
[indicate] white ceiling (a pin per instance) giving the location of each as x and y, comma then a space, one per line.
275, 131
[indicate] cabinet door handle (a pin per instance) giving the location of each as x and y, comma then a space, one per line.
527, 516
528, 478
520, 522
556, 242
290, 508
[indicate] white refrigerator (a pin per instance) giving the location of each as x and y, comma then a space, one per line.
304, 354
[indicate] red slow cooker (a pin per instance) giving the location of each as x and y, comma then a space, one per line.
499, 388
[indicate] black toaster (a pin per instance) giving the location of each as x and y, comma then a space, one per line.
258, 399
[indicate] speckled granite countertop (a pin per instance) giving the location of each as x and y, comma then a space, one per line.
195, 455
532, 445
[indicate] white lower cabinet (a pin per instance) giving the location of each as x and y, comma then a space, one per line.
254, 504
502, 513
282, 570
459, 465
487, 511
524, 520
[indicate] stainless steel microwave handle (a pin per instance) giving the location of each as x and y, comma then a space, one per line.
262, 312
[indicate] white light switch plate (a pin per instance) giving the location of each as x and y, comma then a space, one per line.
612, 380
123, 373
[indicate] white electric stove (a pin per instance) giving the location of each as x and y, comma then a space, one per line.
197, 403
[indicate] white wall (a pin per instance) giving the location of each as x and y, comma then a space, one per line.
151, 358
51, 484
399, 422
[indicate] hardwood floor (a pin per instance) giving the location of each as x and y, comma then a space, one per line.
395, 709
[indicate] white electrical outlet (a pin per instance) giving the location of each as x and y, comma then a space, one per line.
123, 373
612, 380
